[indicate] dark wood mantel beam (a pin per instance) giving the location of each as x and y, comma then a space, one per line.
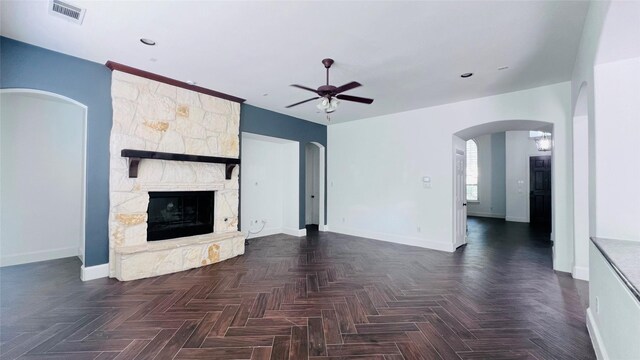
163, 79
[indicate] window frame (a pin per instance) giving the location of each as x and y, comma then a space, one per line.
477, 184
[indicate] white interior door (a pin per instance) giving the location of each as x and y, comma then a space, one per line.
460, 201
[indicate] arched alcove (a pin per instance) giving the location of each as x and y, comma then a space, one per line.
43, 176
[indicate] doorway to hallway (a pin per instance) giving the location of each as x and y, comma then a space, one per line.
540, 192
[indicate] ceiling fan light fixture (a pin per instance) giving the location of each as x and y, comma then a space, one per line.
333, 105
324, 104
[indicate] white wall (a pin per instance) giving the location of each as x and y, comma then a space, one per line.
617, 101
519, 147
291, 184
42, 178
268, 186
581, 197
607, 68
376, 166
492, 172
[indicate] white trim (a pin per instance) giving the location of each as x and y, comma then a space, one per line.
295, 232
405, 240
580, 273
81, 255
516, 219
323, 228
94, 272
36, 256
596, 338
483, 214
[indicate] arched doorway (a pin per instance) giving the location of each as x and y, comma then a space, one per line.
43, 172
315, 185
523, 197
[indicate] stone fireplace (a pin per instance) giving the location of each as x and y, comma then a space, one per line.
181, 233
175, 214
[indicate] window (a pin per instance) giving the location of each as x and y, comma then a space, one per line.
535, 134
472, 170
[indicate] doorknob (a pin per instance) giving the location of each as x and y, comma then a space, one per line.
313, 196
464, 204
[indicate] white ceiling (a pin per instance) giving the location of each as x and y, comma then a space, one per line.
407, 55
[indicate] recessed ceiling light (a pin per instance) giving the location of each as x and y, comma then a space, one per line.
503, 68
466, 75
190, 82
147, 41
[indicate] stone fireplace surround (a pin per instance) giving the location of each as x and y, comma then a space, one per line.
154, 116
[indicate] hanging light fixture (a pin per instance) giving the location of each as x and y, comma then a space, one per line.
544, 142
328, 105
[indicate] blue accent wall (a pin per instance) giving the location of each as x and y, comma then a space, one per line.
264, 122
30, 67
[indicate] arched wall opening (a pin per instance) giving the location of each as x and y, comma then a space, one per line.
517, 157
315, 185
43, 173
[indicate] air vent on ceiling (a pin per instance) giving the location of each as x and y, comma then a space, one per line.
66, 11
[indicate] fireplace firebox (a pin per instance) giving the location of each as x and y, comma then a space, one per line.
179, 213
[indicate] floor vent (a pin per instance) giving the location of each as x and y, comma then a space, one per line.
66, 11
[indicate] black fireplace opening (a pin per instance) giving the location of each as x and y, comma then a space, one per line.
177, 214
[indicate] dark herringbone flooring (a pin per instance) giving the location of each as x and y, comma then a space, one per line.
323, 296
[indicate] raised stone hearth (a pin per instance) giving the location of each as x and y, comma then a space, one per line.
153, 116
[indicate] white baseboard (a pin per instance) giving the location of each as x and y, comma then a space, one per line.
294, 232
596, 338
36, 256
323, 228
94, 272
398, 239
489, 215
516, 219
580, 273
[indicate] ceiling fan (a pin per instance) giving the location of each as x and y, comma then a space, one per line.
330, 93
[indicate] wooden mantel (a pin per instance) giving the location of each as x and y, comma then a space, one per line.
136, 155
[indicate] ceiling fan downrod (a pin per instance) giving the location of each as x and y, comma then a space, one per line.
327, 64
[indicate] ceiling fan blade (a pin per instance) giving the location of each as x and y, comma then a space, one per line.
302, 102
305, 88
346, 87
355, 99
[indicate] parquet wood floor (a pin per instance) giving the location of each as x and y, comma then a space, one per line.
324, 296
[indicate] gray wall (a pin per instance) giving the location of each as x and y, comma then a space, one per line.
264, 122
31, 67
